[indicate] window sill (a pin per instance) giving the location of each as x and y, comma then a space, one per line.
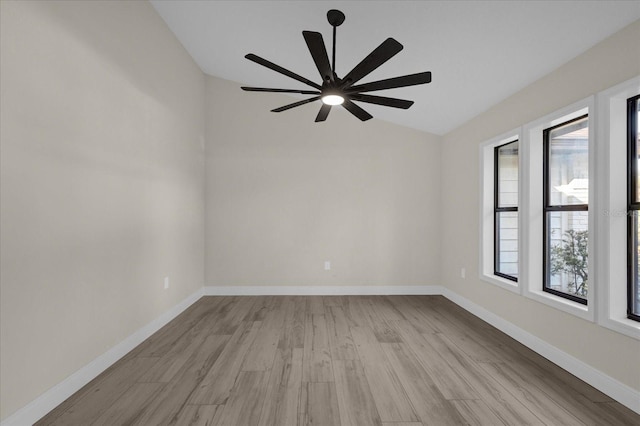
624, 326
560, 303
501, 282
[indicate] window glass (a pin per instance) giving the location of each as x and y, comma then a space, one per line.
508, 175
506, 211
569, 164
634, 293
633, 210
507, 243
566, 217
636, 163
567, 267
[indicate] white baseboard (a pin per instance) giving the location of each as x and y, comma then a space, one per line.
49, 400
321, 290
56, 395
622, 393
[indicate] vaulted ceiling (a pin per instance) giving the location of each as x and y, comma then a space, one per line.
480, 52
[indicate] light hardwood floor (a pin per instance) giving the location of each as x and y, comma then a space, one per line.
357, 360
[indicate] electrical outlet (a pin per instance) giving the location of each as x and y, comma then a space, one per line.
327, 265
166, 283
463, 273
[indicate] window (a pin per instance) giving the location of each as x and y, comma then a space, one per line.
558, 207
615, 212
499, 203
565, 215
505, 241
633, 209
576, 232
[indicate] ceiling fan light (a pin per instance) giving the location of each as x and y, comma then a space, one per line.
332, 100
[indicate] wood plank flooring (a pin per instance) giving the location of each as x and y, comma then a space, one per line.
353, 360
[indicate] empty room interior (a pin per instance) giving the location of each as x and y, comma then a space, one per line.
319, 213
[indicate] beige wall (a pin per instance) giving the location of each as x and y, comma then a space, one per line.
102, 184
103, 191
608, 63
284, 194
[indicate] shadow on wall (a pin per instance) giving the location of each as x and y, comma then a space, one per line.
148, 73
113, 95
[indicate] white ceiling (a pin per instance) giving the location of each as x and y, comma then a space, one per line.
479, 52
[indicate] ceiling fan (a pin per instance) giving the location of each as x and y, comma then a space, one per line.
341, 91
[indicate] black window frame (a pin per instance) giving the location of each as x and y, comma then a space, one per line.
547, 208
497, 210
633, 204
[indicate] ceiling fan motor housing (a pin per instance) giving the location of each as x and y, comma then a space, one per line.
335, 17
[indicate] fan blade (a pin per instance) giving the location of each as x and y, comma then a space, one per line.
318, 51
392, 83
381, 54
323, 113
277, 68
263, 89
295, 104
356, 110
381, 100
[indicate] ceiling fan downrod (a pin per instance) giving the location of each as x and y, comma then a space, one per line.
335, 18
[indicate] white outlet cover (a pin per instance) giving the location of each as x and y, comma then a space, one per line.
327, 265
166, 282
463, 273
